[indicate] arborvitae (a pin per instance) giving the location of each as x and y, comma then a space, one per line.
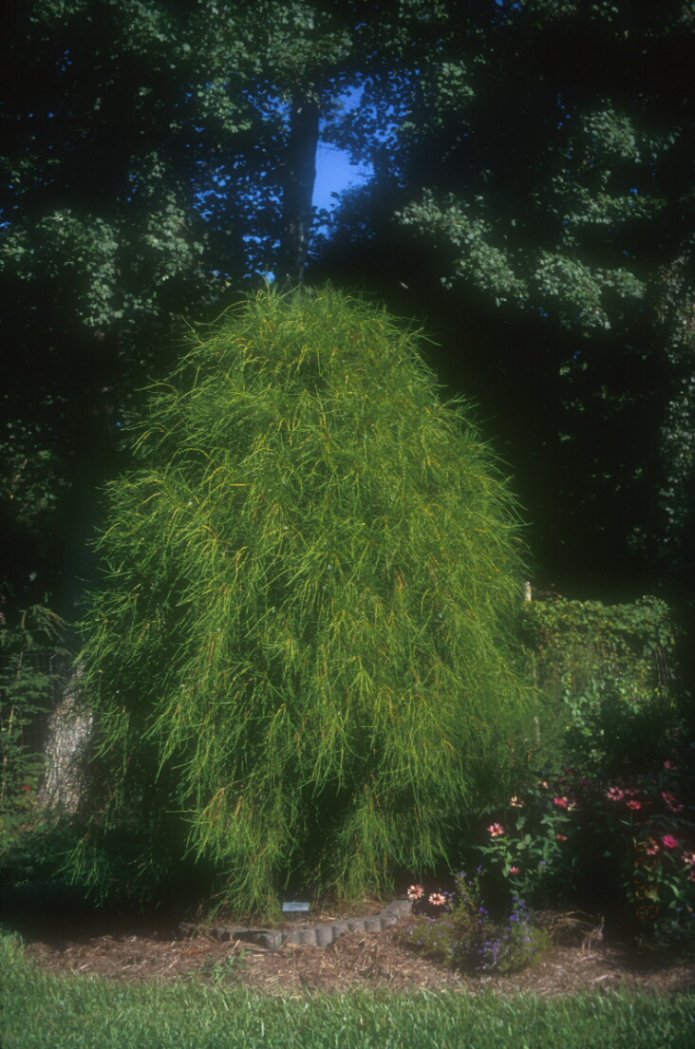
302, 653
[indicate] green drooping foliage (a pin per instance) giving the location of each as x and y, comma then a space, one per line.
302, 655
609, 673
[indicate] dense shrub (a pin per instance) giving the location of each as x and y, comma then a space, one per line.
608, 672
302, 653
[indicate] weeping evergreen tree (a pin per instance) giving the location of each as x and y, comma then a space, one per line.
302, 653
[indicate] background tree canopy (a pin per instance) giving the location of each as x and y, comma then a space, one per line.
531, 201
534, 194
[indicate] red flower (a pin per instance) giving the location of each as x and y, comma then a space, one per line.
561, 837
26, 788
495, 830
515, 870
669, 842
615, 794
672, 801
634, 805
562, 803
436, 899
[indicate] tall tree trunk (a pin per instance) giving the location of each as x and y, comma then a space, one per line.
298, 188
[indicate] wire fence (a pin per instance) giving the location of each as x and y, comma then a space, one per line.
56, 669
42, 690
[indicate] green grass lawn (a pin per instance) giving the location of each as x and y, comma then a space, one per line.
41, 1011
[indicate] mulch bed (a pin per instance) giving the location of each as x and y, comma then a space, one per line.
369, 961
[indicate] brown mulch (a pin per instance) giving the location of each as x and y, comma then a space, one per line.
370, 961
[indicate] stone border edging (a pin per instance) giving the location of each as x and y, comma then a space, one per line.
319, 935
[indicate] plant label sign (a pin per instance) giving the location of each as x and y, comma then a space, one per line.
295, 907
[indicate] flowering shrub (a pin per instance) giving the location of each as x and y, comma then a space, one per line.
624, 847
458, 929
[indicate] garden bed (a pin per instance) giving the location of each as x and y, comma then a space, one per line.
354, 961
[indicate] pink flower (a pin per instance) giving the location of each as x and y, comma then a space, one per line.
562, 803
689, 857
561, 837
669, 765
669, 842
615, 794
634, 805
672, 801
653, 848
436, 899
415, 892
495, 830
515, 870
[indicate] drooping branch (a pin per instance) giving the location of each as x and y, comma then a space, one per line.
298, 188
